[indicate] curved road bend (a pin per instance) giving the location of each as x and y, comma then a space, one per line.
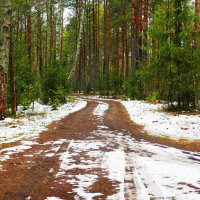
95, 154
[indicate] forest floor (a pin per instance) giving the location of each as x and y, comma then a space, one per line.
98, 153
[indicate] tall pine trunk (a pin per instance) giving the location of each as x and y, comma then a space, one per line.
196, 14
12, 74
4, 53
29, 38
134, 35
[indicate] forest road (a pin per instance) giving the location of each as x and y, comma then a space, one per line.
87, 155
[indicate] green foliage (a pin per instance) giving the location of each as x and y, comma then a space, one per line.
70, 99
174, 65
102, 85
133, 87
27, 85
54, 86
55, 103
170, 72
152, 97
116, 83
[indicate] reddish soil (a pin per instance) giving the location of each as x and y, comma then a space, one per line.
24, 176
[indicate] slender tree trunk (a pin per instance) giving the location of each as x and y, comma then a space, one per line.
134, 35
39, 42
94, 45
46, 49
117, 51
90, 67
195, 46
72, 72
123, 42
177, 42
108, 50
98, 30
29, 38
51, 38
126, 70
196, 14
105, 39
145, 29
139, 33
62, 31
12, 74
4, 53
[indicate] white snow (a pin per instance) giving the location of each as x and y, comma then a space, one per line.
53, 198
26, 129
81, 182
100, 109
163, 124
114, 163
15, 149
167, 173
158, 171
35, 121
49, 155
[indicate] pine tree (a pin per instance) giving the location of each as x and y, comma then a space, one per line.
4, 52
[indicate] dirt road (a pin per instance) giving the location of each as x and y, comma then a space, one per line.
91, 154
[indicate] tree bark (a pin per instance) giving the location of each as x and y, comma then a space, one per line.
4, 54
29, 38
145, 29
72, 72
39, 41
196, 14
134, 35
51, 38
12, 74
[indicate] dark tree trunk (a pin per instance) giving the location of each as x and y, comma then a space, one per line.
134, 35
4, 53
29, 38
12, 75
196, 14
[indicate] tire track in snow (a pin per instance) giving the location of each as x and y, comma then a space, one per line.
129, 183
147, 188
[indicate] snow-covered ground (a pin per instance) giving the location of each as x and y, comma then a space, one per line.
163, 124
34, 121
137, 170
155, 171
142, 170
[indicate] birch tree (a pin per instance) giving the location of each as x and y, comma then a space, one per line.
72, 72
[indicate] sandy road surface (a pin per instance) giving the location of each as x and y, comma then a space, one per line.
96, 153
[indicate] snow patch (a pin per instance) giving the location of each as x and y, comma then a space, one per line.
53, 198
35, 121
49, 155
83, 182
114, 163
101, 109
15, 149
158, 171
163, 124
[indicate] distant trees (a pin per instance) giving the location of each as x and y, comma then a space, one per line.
31, 44
149, 50
175, 61
136, 48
